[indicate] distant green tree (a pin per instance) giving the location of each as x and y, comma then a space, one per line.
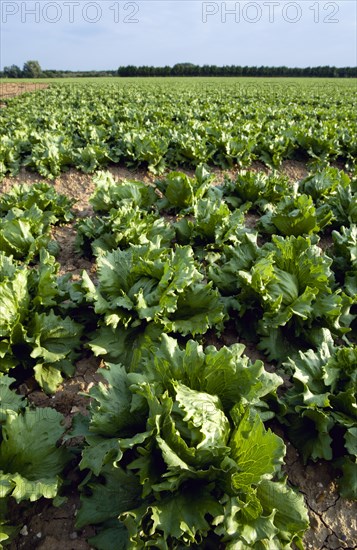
183, 69
32, 69
13, 71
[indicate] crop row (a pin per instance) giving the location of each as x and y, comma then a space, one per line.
159, 126
176, 445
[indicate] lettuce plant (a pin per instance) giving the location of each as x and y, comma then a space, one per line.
296, 216
345, 258
148, 284
112, 193
122, 227
182, 192
256, 188
32, 334
333, 188
176, 457
44, 196
292, 285
321, 409
31, 463
26, 215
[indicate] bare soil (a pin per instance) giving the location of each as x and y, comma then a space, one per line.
12, 89
333, 519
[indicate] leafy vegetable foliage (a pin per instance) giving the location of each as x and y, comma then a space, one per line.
225, 122
177, 457
151, 284
30, 460
281, 292
32, 334
36, 331
58, 207
322, 408
26, 216
176, 448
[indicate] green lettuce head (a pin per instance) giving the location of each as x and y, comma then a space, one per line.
193, 426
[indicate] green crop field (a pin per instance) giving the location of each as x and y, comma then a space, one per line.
221, 300
164, 123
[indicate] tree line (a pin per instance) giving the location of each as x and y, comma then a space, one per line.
189, 69
32, 69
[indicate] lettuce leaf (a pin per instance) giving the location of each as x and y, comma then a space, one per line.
150, 284
187, 453
182, 192
322, 403
298, 216
31, 333
31, 462
43, 196
113, 193
292, 284
256, 188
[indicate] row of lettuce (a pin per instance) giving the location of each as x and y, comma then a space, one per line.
176, 447
160, 126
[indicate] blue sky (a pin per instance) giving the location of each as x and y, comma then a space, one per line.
85, 34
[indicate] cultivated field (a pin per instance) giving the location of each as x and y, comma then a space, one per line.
178, 315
